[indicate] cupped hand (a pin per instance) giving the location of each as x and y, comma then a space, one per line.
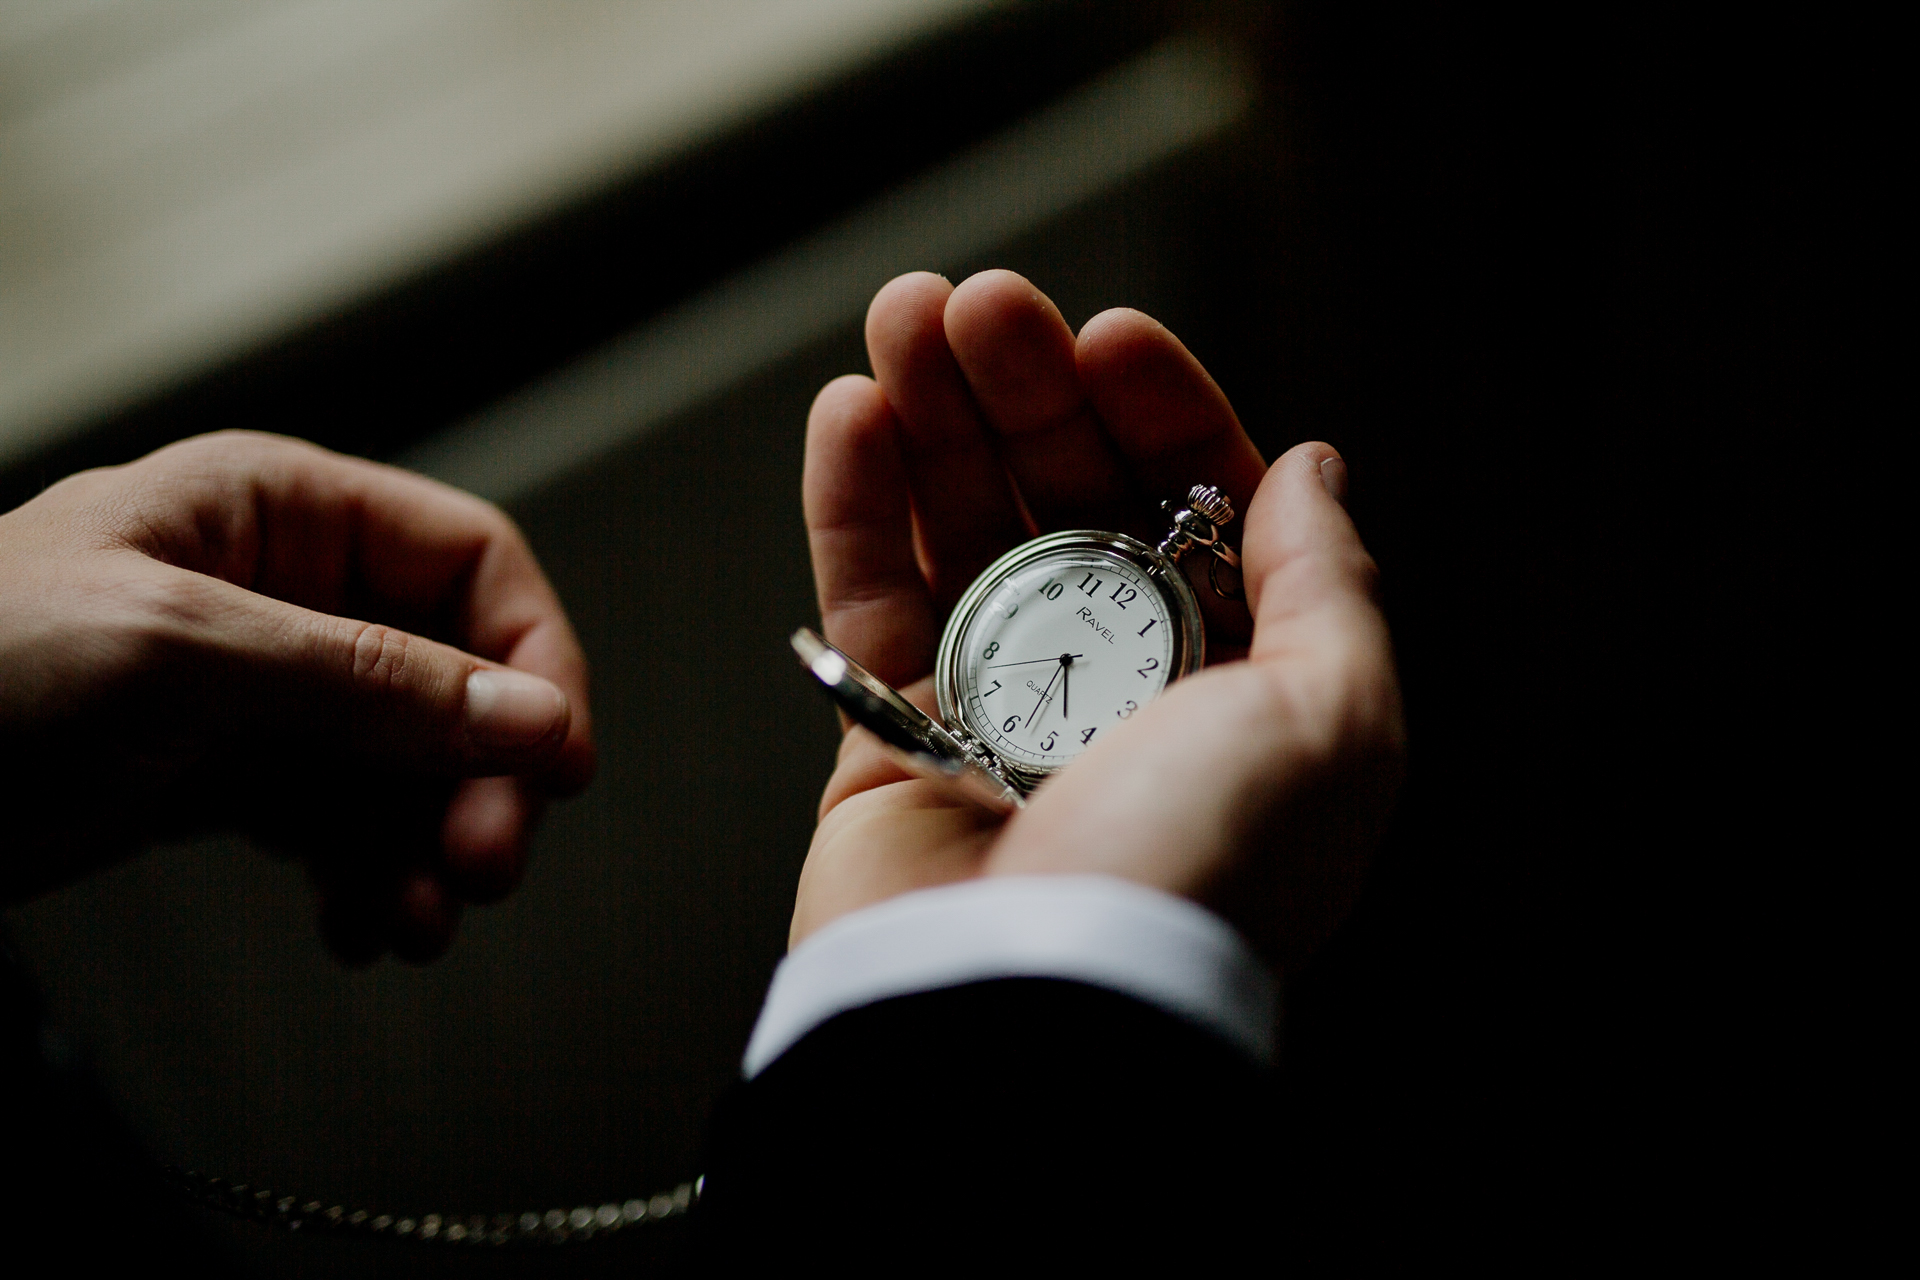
1257, 786
355, 664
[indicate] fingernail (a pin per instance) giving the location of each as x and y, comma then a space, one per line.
1333, 474
511, 708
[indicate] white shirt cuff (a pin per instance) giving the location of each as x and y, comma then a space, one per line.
1099, 930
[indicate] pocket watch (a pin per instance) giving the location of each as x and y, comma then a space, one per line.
1060, 639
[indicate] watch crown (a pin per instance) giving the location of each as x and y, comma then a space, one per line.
1211, 503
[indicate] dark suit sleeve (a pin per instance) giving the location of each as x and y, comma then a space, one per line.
1018, 1114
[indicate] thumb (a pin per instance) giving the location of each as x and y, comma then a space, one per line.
383, 693
1304, 558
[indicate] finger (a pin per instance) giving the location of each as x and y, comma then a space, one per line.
425, 918
513, 617
1312, 587
484, 837
1175, 429
1017, 354
874, 602
375, 861
967, 513
340, 535
1168, 419
1298, 522
277, 678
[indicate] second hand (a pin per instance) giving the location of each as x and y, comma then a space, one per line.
1043, 696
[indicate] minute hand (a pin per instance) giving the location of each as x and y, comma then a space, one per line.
1043, 696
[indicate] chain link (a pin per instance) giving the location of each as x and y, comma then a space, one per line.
555, 1226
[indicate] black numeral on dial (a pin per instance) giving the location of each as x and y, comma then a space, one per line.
1153, 664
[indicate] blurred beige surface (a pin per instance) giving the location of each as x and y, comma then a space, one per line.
180, 179
1139, 114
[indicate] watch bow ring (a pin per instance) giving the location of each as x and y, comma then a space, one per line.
1058, 641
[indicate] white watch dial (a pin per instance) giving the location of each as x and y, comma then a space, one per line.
1060, 652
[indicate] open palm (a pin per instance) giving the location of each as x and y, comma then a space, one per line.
1257, 786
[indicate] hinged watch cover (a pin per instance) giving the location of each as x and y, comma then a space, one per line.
915, 739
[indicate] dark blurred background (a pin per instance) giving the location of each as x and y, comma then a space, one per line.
1544, 281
